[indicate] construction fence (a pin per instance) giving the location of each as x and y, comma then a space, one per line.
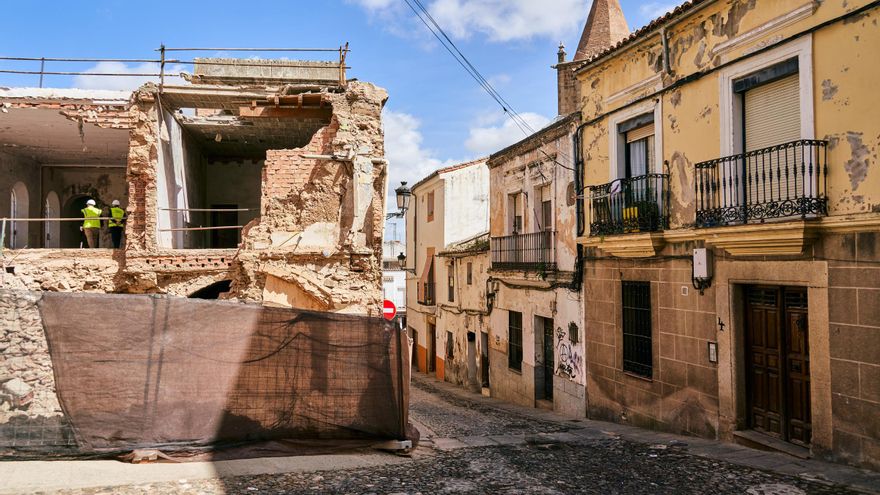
182, 375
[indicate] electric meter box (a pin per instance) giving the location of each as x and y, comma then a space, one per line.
702, 263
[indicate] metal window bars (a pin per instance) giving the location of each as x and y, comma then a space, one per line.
786, 180
623, 206
525, 251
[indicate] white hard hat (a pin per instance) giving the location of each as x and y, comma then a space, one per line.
90, 202
115, 202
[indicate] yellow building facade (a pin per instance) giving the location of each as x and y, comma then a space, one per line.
732, 208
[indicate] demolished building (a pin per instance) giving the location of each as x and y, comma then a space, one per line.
256, 180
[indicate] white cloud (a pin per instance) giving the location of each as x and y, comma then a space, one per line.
499, 20
486, 138
124, 82
407, 159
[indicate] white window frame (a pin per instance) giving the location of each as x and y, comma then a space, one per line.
617, 141
730, 103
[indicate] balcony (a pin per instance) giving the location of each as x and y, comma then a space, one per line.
633, 205
534, 251
427, 296
784, 181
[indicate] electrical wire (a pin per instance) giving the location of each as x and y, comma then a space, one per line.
440, 34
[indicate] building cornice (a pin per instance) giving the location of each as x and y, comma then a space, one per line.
767, 239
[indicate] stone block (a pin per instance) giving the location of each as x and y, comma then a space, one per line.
845, 377
867, 248
846, 446
842, 306
869, 382
703, 379
869, 307
19, 393
855, 343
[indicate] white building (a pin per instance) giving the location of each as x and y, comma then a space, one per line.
447, 207
393, 278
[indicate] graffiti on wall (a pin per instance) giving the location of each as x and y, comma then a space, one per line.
570, 362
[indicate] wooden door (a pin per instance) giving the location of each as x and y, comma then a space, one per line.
797, 360
777, 360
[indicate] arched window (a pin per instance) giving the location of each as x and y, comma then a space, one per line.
18, 233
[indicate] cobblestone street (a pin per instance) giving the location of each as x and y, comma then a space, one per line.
472, 444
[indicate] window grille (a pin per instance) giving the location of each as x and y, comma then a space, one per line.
637, 342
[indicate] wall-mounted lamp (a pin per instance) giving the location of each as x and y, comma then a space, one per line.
401, 262
404, 195
702, 276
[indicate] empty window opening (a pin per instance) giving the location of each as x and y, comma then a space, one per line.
212, 154
212, 291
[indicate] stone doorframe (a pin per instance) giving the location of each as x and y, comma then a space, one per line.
730, 278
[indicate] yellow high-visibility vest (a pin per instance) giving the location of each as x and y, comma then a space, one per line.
91, 215
118, 214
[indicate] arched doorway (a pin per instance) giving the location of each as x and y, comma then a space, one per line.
71, 235
212, 291
18, 235
52, 209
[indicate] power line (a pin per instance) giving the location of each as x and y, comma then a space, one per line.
428, 20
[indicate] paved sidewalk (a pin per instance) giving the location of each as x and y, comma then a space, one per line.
585, 429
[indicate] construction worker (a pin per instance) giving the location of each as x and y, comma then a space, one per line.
91, 226
116, 223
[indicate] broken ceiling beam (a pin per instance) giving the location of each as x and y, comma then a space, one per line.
285, 112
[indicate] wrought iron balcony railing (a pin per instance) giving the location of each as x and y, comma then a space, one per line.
427, 297
535, 251
787, 180
637, 204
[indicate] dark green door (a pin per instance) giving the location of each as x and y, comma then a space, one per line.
549, 361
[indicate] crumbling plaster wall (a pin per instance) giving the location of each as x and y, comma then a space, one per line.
540, 160
468, 313
322, 214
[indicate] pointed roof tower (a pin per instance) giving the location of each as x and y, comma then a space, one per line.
606, 26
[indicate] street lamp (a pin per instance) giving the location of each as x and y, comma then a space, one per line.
401, 262
404, 194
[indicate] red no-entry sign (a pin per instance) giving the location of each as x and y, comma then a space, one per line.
389, 310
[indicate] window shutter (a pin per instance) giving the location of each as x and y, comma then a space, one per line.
772, 117
772, 113
640, 133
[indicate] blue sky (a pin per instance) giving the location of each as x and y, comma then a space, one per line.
435, 115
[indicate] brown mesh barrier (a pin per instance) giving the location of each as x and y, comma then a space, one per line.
155, 372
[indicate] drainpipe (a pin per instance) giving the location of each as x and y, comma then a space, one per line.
578, 278
665, 43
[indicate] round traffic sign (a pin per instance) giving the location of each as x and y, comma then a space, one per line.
389, 310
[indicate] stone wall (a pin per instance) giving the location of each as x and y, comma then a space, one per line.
30, 415
854, 328
682, 393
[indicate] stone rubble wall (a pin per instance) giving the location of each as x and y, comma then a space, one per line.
25, 366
